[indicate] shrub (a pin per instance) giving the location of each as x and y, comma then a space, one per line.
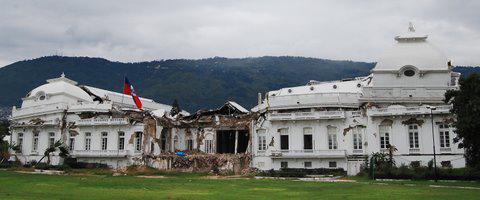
10, 164
425, 173
300, 172
74, 164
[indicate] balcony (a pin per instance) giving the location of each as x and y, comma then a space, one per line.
307, 115
399, 111
109, 121
308, 154
99, 153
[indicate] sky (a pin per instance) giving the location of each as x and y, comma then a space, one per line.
132, 31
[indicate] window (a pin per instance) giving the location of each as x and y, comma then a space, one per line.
409, 72
262, 140
413, 136
163, 139
189, 144
175, 143
284, 165
138, 141
208, 146
284, 139
332, 164
121, 140
71, 143
384, 131
51, 139
357, 138
35, 142
104, 140
307, 164
332, 137
446, 164
88, 141
20, 142
444, 135
307, 138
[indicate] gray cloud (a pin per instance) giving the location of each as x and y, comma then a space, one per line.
148, 30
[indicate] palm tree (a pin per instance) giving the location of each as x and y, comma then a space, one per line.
391, 149
64, 153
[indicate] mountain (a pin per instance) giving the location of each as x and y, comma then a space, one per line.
197, 84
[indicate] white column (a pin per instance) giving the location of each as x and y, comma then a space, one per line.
236, 141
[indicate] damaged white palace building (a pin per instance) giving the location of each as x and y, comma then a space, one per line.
335, 124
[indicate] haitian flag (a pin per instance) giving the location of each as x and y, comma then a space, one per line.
128, 90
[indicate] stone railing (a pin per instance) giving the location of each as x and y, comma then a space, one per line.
92, 107
100, 153
314, 100
307, 115
407, 111
38, 110
333, 153
109, 121
404, 94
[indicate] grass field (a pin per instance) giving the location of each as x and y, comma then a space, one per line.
15, 185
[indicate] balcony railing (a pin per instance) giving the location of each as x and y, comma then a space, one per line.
308, 153
357, 151
445, 149
398, 111
100, 153
109, 121
414, 151
404, 94
96, 107
307, 115
38, 110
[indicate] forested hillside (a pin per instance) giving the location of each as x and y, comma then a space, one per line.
197, 84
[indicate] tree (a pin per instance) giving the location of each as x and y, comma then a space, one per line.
58, 145
4, 145
175, 108
466, 109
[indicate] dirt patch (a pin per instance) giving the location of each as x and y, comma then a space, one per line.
152, 177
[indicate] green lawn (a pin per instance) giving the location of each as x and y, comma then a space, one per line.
33, 186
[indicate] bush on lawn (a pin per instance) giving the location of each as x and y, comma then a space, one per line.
10, 164
300, 172
74, 164
417, 172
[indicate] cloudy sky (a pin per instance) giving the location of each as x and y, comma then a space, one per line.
152, 30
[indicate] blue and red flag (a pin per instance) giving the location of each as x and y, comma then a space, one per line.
128, 90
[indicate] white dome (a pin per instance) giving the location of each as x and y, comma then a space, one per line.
61, 85
412, 49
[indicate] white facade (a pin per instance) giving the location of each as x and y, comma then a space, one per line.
91, 122
338, 124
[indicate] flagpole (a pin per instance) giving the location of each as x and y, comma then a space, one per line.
123, 89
